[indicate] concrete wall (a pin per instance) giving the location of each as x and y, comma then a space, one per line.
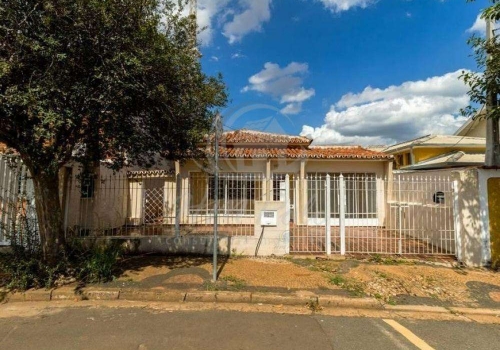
473, 219
266, 241
494, 217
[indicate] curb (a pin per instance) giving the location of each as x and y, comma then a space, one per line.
304, 299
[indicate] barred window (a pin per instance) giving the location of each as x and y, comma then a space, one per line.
236, 193
361, 195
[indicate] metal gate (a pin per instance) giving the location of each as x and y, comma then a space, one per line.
153, 200
363, 213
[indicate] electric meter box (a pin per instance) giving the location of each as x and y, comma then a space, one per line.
269, 218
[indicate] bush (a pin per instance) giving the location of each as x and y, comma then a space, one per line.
95, 263
24, 269
23, 266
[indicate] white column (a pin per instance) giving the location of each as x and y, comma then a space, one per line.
287, 214
328, 228
342, 203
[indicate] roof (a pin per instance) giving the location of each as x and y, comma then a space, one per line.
258, 144
474, 126
449, 160
259, 137
312, 152
438, 140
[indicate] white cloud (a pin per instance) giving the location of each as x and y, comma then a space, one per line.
237, 18
284, 84
396, 113
237, 55
345, 5
252, 15
479, 26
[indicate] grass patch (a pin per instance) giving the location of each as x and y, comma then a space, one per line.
386, 260
234, 282
337, 280
354, 287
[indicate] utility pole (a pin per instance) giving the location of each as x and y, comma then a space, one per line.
217, 135
492, 158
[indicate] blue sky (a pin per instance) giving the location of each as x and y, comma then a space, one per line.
341, 71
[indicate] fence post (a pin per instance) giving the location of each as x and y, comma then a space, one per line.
456, 229
328, 228
400, 216
342, 202
178, 192
287, 213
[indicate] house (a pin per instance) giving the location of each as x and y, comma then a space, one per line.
257, 171
438, 152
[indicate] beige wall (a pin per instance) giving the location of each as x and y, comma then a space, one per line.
106, 210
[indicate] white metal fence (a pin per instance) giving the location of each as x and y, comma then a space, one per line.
362, 213
329, 213
153, 204
17, 204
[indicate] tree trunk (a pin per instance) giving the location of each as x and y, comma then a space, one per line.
49, 215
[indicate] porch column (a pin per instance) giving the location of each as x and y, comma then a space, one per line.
268, 183
302, 217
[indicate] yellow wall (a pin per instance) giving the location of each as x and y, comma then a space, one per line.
421, 154
494, 209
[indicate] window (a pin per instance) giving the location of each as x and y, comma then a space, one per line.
360, 195
279, 187
236, 193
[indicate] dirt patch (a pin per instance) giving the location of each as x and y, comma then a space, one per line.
273, 273
146, 272
185, 279
447, 285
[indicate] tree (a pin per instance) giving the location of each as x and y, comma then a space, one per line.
93, 80
484, 87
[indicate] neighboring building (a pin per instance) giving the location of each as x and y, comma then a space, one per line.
473, 127
438, 152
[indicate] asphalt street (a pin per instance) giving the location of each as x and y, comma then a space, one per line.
144, 329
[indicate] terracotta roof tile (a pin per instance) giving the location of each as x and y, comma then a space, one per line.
334, 152
256, 137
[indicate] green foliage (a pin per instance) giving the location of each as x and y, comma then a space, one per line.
386, 260
95, 263
337, 280
88, 80
119, 78
487, 56
352, 286
25, 267
234, 282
